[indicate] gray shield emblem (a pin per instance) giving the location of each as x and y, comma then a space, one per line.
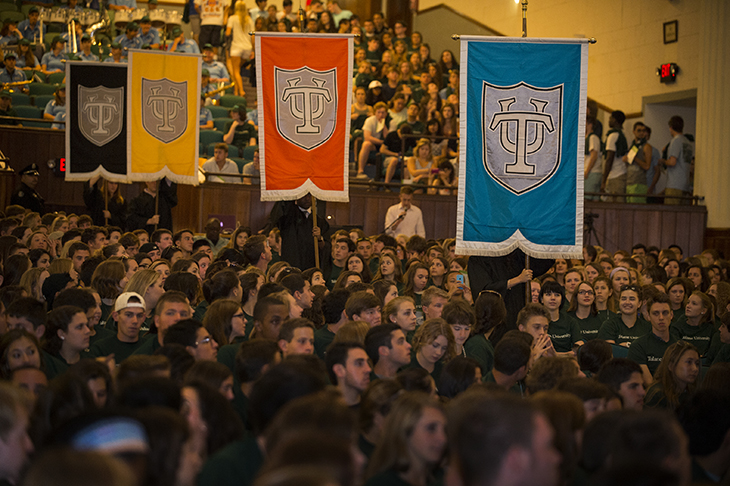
100, 113
521, 134
164, 108
306, 105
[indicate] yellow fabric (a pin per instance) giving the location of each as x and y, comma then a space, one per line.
151, 158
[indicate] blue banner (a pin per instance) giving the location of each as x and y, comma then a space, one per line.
522, 121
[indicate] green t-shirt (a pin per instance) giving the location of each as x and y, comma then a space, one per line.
243, 134
248, 320
199, 312
649, 350
678, 314
323, 337
564, 333
588, 327
435, 374
387, 478
478, 347
334, 275
149, 346
101, 333
723, 355
121, 350
614, 329
700, 336
518, 388
235, 465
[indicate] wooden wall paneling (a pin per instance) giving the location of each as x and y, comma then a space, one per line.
669, 229
641, 231
654, 229
683, 232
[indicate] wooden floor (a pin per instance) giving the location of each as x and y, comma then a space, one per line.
618, 226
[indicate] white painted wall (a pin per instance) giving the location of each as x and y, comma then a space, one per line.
622, 65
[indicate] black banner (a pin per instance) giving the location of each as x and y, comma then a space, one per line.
96, 121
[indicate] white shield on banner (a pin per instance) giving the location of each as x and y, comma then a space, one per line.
164, 108
306, 105
101, 112
521, 134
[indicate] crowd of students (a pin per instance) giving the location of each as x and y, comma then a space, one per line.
155, 359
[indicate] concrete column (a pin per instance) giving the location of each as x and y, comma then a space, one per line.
712, 149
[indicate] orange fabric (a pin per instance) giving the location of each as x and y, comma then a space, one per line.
286, 165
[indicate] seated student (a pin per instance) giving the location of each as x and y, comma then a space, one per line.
269, 314
676, 378
86, 299
296, 336
627, 326
363, 306
624, 377
57, 104
252, 360
206, 117
117, 54
333, 308
195, 337
433, 301
394, 149
171, 308
148, 34
649, 349
696, 326
253, 170
348, 368
10, 74
240, 132
6, 109
129, 314
562, 329
461, 317
52, 61
130, 39
299, 289
67, 338
27, 313
433, 345
180, 44
220, 163
511, 361
388, 350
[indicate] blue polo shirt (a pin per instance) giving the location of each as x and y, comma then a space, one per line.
53, 109
127, 43
121, 61
188, 47
217, 70
205, 116
124, 3
54, 62
20, 62
17, 76
29, 32
91, 57
152, 37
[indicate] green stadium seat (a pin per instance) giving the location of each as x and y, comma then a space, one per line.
31, 112
239, 162
41, 89
42, 100
56, 78
232, 100
220, 124
20, 99
8, 7
218, 111
12, 15
208, 137
248, 152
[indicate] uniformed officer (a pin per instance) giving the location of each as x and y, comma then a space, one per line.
26, 195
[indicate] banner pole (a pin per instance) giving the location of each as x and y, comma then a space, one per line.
157, 203
314, 225
524, 18
106, 201
528, 287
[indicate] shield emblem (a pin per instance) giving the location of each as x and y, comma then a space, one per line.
521, 134
101, 113
306, 105
164, 108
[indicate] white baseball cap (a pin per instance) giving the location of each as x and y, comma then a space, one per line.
123, 302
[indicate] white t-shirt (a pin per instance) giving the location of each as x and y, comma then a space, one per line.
594, 143
241, 39
229, 167
374, 127
618, 168
212, 11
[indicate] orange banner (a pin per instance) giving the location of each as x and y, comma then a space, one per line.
304, 93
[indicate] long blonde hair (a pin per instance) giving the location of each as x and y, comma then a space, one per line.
242, 13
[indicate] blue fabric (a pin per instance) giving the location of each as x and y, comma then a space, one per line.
91, 57
127, 43
17, 76
217, 70
501, 196
205, 116
152, 36
31, 33
54, 62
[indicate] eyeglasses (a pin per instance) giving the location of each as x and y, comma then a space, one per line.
635, 288
585, 292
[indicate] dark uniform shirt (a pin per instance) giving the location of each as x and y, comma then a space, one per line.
29, 199
649, 350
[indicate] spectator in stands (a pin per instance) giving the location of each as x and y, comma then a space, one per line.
26, 195
253, 170
349, 369
636, 171
206, 117
148, 35
217, 70
10, 74
129, 314
30, 28
57, 104
85, 54
394, 148
374, 132
680, 157
221, 163
180, 44
240, 132
614, 170
117, 52
26, 59
142, 214
52, 61
6, 109
130, 39
333, 6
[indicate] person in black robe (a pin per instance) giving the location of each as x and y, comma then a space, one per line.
294, 220
142, 214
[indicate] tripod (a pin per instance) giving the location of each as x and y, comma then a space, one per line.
589, 229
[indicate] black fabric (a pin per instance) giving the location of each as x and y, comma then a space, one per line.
297, 242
